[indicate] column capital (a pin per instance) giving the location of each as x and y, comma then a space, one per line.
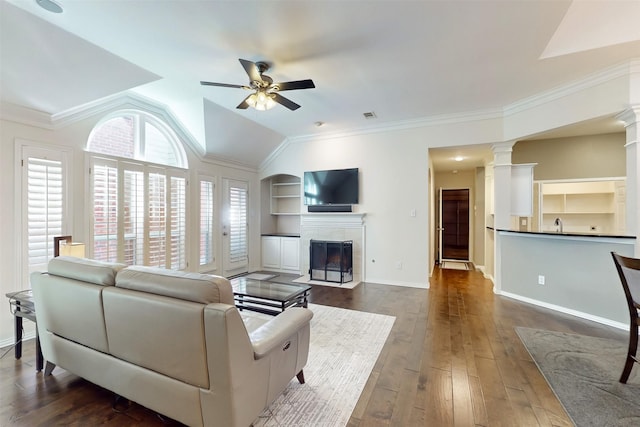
502, 152
630, 116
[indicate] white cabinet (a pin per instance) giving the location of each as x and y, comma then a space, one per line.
281, 254
271, 252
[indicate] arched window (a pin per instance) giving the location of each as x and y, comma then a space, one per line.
138, 192
136, 135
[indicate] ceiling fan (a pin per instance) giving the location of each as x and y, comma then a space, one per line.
266, 93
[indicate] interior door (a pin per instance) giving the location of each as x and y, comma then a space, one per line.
235, 242
454, 225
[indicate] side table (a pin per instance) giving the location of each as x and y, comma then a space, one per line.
22, 306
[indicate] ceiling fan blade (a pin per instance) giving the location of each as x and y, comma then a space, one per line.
284, 101
224, 85
244, 104
252, 70
298, 84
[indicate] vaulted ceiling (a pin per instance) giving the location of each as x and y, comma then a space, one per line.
402, 60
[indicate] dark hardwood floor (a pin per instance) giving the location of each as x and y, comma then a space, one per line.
452, 359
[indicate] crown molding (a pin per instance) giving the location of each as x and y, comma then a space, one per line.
624, 69
439, 120
443, 119
26, 116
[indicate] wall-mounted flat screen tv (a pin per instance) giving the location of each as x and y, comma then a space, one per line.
331, 187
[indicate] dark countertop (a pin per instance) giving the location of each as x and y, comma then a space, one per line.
280, 234
547, 233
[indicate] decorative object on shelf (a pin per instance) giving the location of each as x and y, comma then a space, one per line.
68, 248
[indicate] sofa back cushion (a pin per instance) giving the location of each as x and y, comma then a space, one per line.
155, 319
160, 333
193, 287
69, 299
85, 270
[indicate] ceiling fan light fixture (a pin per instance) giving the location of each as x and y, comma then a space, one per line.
261, 101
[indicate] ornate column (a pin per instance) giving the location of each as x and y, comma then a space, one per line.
502, 183
631, 119
501, 203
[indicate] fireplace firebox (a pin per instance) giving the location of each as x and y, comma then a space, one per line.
331, 261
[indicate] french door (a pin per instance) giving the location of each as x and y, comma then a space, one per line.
235, 234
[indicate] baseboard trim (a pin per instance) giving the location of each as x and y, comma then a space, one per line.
11, 341
569, 311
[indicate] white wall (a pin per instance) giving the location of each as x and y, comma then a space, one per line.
394, 181
579, 274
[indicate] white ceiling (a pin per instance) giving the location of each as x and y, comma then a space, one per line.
403, 60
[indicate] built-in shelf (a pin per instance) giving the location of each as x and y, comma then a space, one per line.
583, 206
285, 195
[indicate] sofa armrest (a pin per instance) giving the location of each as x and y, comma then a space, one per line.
277, 330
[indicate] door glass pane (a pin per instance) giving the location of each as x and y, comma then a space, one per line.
44, 209
206, 222
238, 247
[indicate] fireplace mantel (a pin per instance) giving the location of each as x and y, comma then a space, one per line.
329, 219
336, 226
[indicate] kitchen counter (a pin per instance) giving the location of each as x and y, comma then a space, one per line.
568, 234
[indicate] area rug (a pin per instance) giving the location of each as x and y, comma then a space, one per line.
455, 265
343, 349
583, 372
259, 276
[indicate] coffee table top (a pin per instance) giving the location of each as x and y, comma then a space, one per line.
268, 290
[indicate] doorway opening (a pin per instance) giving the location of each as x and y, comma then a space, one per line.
454, 225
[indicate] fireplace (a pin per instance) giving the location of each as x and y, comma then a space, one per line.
331, 261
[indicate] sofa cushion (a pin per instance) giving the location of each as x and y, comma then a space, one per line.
157, 332
85, 270
70, 309
193, 287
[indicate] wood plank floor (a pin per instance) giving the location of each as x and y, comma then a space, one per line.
452, 359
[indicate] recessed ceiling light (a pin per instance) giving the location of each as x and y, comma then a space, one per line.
458, 158
318, 124
50, 5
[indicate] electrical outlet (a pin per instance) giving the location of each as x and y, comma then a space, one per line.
398, 265
540, 280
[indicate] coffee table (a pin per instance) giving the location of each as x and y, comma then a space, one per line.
268, 297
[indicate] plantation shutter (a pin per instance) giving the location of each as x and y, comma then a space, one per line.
178, 223
238, 245
133, 217
45, 209
207, 256
139, 213
157, 216
105, 210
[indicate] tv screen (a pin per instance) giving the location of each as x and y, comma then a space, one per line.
331, 187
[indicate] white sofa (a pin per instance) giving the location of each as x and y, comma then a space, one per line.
171, 341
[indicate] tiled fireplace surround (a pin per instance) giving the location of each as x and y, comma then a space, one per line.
334, 227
